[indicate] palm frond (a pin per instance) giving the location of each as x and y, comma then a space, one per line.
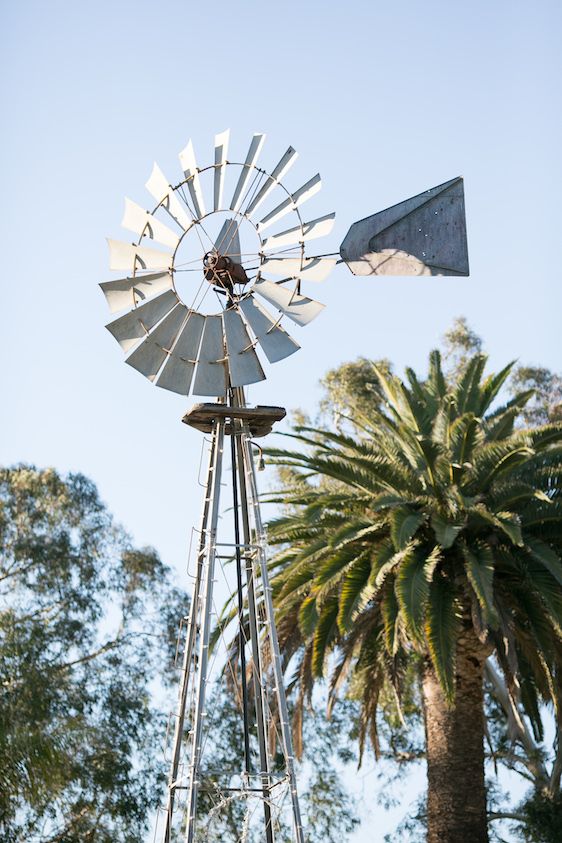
441, 631
326, 629
480, 566
412, 590
404, 524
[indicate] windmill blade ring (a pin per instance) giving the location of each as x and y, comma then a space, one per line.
172, 342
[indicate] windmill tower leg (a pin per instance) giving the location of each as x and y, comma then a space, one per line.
260, 694
192, 627
260, 539
207, 579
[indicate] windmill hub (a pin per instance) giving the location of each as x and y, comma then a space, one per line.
223, 271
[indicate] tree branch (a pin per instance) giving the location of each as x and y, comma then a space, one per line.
505, 815
518, 727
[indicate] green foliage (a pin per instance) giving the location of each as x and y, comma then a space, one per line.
434, 515
542, 817
352, 390
460, 344
85, 623
485, 494
546, 404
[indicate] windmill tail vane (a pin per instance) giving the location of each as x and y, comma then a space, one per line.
202, 313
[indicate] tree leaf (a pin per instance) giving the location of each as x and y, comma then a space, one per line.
412, 589
352, 588
323, 634
480, 566
445, 531
544, 554
390, 611
441, 630
404, 523
308, 615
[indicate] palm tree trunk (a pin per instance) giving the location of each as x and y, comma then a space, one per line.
456, 803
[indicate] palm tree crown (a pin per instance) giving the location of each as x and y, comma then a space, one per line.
435, 522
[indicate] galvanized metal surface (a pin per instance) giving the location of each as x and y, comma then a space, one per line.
160, 188
280, 169
424, 235
308, 231
128, 292
299, 309
133, 326
228, 241
211, 375
274, 340
140, 221
249, 163
178, 370
189, 166
243, 364
299, 197
252, 583
239, 421
221, 154
150, 354
261, 538
128, 257
207, 578
309, 269
210, 362
189, 646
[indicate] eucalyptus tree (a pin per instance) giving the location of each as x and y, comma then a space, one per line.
432, 533
85, 626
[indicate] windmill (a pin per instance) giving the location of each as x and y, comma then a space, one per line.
246, 257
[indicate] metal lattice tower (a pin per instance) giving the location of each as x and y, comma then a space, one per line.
235, 422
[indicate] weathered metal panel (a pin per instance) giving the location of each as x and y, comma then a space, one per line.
277, 174
275, 341
312, 269
228, 241
299, 197
128, 257
309, 231
148, 357
221, 152
189, 165
250, 162
210, 377
133, 326
127, 292
299, 309
160, 189
243, 362
140, 221
425, 235
177, 373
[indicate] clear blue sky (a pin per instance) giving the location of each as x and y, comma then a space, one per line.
384, 99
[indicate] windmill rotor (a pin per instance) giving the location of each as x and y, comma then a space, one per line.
170, 339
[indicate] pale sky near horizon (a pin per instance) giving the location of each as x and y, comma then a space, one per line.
383, 99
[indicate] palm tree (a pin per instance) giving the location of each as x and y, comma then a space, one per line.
433, 534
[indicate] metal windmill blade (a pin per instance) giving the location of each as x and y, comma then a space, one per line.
175, 344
